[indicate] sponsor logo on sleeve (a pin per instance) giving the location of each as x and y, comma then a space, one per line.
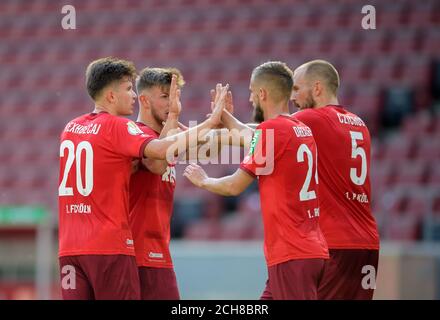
133, 129
254, 141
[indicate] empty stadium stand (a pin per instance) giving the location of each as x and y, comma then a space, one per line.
42, 87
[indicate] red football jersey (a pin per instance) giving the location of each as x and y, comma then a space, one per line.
343, 142
96, 153
283, 157
151, 207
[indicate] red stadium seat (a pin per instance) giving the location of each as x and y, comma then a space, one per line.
236, 227
332, 17
398, 147
430, 45
392, 16
366, 104
418, 125
429, 148
434, 174
385, 71
405, 41
354, 70
436, 124
436, 205
390, 200
419, 202
422, 13
346, 43
373, 43
402, 227
312, 43
382, 172
203, 230
416, 70
411, 173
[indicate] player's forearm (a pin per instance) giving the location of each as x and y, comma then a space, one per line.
217, 138
155, 166
240, 134
198, 153
222, 186
168, 147
252, 126
231, 122
160, 166
206, 148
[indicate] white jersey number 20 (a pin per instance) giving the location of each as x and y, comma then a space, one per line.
72, 156
357, 151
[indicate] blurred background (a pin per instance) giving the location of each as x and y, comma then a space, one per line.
390, 76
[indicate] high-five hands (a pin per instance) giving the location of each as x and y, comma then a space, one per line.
219, 104
229, 102
175, 105
229, 105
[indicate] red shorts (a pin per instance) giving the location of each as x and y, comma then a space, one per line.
99, 277
158, 284
294, 280
349, 274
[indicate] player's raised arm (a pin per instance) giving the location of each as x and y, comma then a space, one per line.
231, 185
170, 146
238, 134
171, 124
175, 108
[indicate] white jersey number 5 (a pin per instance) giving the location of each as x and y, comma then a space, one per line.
72, 156
357, 151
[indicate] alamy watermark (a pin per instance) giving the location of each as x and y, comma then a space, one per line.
369, 20
69, 20
68, 278
204, 147
369, 280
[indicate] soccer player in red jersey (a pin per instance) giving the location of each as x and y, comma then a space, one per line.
96, 252
282, 157
152, 188
343, 143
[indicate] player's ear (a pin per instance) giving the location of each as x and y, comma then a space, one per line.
262, 94
292, 93
109, 95
317, 88
144, 101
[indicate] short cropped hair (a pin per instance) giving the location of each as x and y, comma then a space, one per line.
151, 77
102, 72
278, 77
325, 71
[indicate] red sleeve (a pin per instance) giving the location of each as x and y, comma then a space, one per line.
260, 159
128, 139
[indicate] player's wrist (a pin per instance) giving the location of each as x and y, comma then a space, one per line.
204, 183
208, 123
213, 122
